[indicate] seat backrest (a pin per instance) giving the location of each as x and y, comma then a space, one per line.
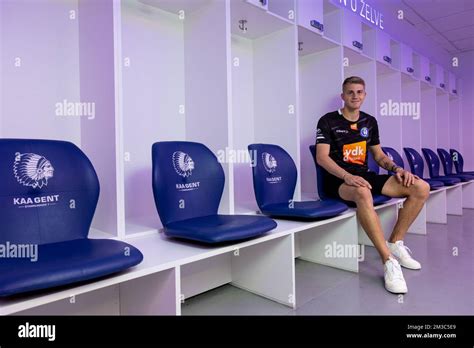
274, 174
48, 191
415, 161
433, 162
458, 160
320, 173
394, 156
446, 161
373, 166
188, 180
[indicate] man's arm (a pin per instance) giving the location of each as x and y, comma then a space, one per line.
403, 176
323, 159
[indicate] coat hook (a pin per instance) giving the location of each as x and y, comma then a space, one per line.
243, 25
300, 46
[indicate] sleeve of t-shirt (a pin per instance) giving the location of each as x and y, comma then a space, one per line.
374, 137
323, 133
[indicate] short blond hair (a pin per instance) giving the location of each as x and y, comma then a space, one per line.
353, 80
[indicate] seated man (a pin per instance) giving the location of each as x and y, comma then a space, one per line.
343, 138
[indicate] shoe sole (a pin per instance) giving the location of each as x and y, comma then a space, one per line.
397, 292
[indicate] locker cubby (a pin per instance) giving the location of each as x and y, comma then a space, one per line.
261, 4
454, 122
283, 8
316, 99
442, 119
411, 125
319, 16
49, 66
425, 72
264, 92
367, 71
440, 77
452, 84
407, 65
389, 111
173, 87
310, 15
428, 119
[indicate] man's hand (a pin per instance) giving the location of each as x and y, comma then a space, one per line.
404, 177
357, 181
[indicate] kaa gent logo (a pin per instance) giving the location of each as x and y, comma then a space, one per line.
183, 164
32, 170
270, 165
269, 162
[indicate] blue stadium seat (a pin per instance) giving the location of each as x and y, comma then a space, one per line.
274, 182
398, 160
433, 168
458, 161
48, 195
447, 163
321, 173
394, 156
188, 182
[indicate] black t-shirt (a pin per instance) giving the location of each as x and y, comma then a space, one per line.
349, 141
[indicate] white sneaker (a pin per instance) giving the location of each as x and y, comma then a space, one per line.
394, 281
402, 253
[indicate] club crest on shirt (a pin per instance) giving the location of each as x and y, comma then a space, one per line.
364, 132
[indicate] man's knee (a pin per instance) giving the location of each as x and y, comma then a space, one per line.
362, 195
421, 189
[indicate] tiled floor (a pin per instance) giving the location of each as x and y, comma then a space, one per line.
444, 286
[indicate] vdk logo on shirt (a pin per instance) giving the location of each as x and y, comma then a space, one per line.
354, 153
32, 170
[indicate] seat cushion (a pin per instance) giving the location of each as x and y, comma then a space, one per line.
463, 177
434, 184
312, 210
220, 228
65, 263
447, 181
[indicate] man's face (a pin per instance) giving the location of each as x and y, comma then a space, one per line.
353, 95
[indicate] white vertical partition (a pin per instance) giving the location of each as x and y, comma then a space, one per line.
174, 87
98, 135
264, 90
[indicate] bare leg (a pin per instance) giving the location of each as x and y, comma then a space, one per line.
416, 194
367, 216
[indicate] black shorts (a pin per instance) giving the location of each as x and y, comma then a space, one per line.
332, 183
